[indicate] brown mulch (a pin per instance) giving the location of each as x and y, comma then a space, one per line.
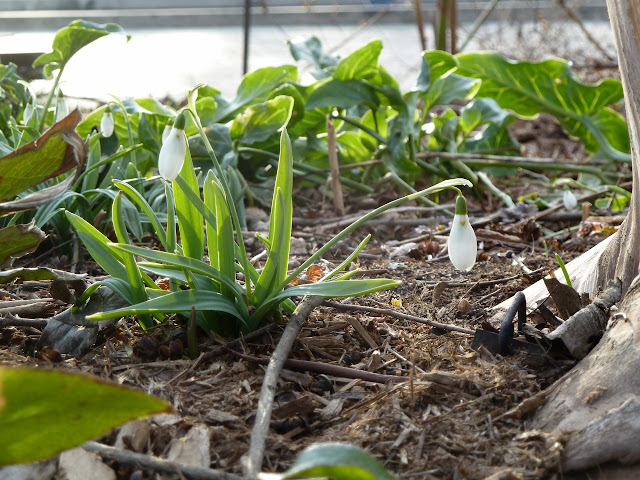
454, 416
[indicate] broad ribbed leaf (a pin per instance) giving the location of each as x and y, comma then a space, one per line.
19, 240
262, 120
550, 87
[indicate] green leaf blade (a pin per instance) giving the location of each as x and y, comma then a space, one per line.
43, 412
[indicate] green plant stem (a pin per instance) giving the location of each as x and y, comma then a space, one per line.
365, 129
482, 161
128, 122
405, 186
227, 191
47, 103
486, 181
564, 270
110, 159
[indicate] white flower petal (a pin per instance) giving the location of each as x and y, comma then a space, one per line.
106, 124
463, 246
166, 132
172, 153
569, 199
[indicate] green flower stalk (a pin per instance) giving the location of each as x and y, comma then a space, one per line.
106, 123
62, 110
463, 246
173, 150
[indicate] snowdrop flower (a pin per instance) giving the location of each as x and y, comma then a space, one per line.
106, 124
569, 199
62, 110
173, 150
463, 246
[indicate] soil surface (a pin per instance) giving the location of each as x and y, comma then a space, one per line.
450, 412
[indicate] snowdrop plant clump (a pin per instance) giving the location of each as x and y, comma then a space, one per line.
463, 246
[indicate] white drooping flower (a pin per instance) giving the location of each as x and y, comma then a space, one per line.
173, 150
569, 199
463, 246
62, 110
106, 123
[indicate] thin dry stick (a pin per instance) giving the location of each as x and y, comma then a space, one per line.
417, 5
148, 462
404, 316
253, 458
453, 26
503, 158
338, 201
574, 16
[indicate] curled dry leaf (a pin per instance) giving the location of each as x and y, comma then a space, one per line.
57, 151
310, 275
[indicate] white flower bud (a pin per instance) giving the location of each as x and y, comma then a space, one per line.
569, 199
173, 151
106, 123
463, 246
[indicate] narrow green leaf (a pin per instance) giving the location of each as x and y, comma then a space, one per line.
225, 240
181, 261
43, 412
180, 301
190, 221
338, 461
133, 272
110, 260
139, 200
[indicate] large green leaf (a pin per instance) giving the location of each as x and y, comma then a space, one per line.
361, 64
341, 94
19, 240
43, 412
435, 64
311, 50
181, 301
255, 87
338, 461
550, 86
258, 122
70, 39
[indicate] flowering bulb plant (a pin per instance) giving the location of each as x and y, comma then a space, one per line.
229, 294
463, 246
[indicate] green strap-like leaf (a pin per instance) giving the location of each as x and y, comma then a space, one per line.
190, 221
180, 301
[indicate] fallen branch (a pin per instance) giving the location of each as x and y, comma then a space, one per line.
149, 462
326, 369
252, 461
404, 316
583, 329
